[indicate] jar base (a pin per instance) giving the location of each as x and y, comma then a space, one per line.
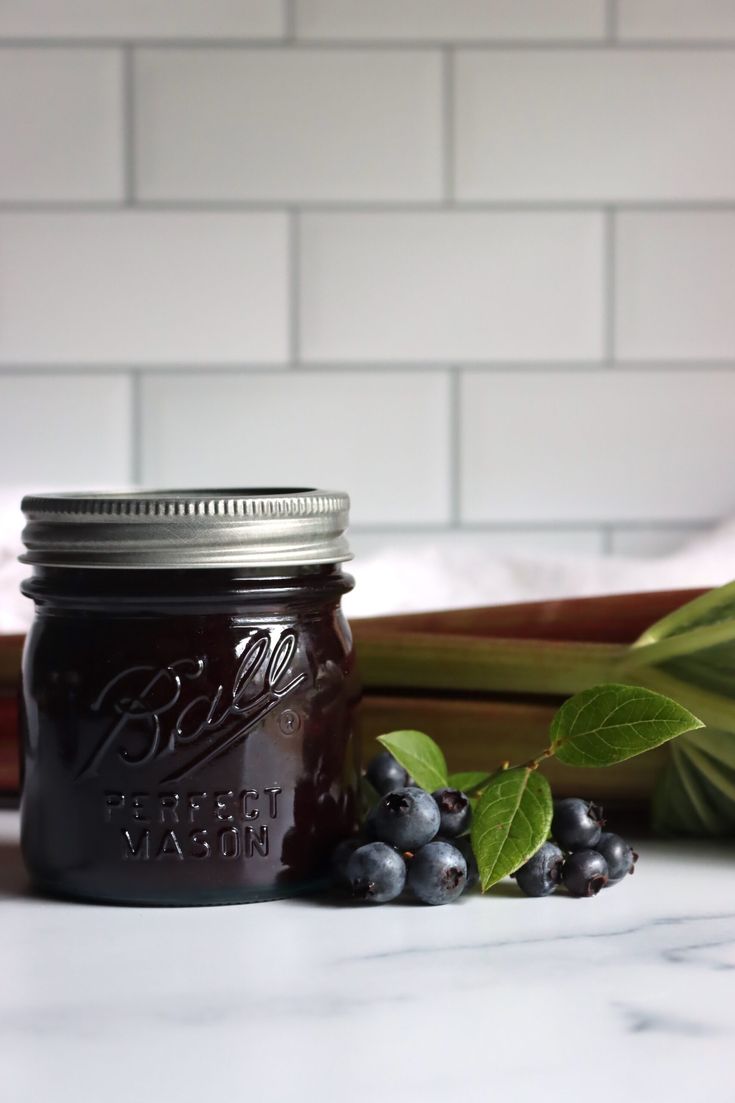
200, 899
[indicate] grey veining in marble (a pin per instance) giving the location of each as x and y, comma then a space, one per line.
295, 1000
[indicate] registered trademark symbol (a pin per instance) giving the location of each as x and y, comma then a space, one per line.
289, 721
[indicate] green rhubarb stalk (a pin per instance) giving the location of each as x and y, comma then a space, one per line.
466, 664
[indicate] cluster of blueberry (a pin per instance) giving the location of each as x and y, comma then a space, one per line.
412, 839
419, 840
582, 857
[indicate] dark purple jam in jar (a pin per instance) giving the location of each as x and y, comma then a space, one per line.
189, 687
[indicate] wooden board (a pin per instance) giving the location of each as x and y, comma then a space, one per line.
9, 749
615, 618
11, 650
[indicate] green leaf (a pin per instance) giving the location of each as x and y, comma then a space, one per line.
677, 807
713, 773
685, 801
468, 782
678, 680
690, 655
608, 724
511, 821
711, 609
696, 793
718, 744
420, 755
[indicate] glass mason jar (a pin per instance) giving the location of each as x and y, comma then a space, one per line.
188, 694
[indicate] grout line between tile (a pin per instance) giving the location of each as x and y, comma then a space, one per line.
606, 539
581, 527
128, 123
290, 21
276, 42
294, 288
611, 22
455, 446
69, 206
59, 370
610, 285
448, 123
387, 366
381, 206
136, 428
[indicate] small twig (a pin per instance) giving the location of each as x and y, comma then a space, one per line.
534, 763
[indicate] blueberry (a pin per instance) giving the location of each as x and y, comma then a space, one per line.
369, 824
406, 818
455, 810
341, 855
385, 774
438, 873
620, 857
376, 873
577, 824
585, 873
542, 873
464, 846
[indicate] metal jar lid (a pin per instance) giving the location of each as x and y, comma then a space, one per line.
250, 527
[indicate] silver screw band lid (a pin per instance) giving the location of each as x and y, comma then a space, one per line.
161, 529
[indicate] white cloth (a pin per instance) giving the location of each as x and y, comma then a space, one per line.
416, 579
406, 576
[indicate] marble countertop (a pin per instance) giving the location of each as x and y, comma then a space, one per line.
630, 995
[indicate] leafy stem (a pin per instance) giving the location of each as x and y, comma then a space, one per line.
534, 763
598, 727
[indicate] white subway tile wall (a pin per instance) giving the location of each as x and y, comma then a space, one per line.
676, 285
572, 446
65, 430
595, 125
473, 260
452, 285
48, 99
673, 20
149, 287
288, 125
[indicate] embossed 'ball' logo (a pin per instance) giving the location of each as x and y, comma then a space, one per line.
150, 702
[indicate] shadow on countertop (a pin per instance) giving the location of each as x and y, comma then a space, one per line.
13, 877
